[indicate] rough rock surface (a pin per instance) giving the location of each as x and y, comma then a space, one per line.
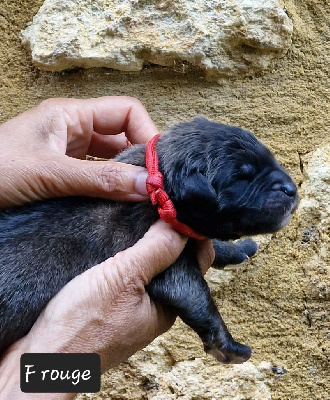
158, 377
314, 218
223, 37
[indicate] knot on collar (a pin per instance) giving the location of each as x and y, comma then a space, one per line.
158, 196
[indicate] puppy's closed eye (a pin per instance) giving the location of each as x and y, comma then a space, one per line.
247, 172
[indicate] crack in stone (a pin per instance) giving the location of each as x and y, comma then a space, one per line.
301, 163
307, 311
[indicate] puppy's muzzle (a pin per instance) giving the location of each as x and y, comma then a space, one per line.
289, 188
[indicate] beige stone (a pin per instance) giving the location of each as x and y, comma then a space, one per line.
222, 37
158, 377
316, 187
314, 218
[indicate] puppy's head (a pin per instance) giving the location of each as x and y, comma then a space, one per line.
223, 182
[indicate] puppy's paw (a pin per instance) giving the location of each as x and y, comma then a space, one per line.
248, 247
232, 353
227, 253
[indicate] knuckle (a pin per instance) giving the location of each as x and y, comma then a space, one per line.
133, 100
136, 284
170, 237
137, 277
49, 109
49, 103
53, 104
110, 178
129, 273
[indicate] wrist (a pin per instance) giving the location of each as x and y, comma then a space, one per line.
10, 378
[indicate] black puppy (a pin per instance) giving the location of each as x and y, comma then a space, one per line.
223, 183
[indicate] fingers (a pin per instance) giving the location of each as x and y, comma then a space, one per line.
112, 180
121, 114
76, 120
157, 250
66, 176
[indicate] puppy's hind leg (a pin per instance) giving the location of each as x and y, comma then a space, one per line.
183, 289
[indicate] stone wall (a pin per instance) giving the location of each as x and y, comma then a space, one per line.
278, 302
224, 38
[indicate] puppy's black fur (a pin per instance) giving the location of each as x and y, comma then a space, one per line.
224, 184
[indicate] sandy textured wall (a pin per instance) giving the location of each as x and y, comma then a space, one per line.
276, 303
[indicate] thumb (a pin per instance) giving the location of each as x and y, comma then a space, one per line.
105, 179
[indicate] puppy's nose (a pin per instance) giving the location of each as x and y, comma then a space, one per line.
288, 188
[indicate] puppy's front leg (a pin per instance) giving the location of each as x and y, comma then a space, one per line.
227, 253
183, 288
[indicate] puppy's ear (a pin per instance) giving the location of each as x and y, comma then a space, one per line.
197, 189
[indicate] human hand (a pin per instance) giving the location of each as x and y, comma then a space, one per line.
106, 309
42, 151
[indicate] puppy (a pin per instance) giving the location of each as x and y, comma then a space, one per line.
223, 183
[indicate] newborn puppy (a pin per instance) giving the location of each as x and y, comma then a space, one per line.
224, 184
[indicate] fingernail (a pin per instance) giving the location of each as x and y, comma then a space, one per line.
141, 183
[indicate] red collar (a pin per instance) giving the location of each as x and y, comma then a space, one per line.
158, 195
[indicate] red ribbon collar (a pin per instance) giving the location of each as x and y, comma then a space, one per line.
158, 195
